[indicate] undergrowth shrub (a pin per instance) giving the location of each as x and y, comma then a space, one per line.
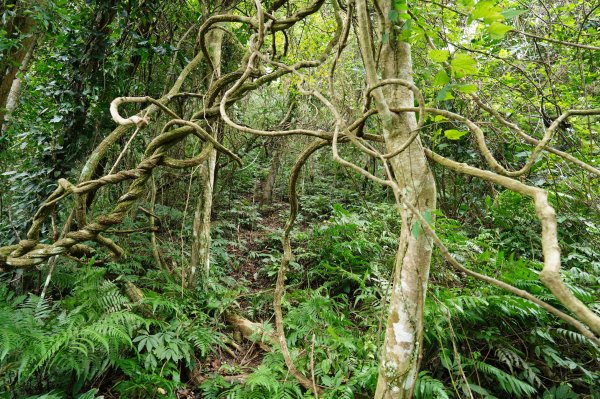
64, 345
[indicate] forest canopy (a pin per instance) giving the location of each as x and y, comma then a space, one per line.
299, 199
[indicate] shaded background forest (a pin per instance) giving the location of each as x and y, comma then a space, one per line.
135, 327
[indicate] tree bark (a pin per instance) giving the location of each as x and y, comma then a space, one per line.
400, 355
14, 95
200, 260
404, 331
266, 197
22, 25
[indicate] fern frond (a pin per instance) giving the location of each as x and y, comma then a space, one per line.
574, 336
203, 339
509, 357
508, 383
428, 387
262, 377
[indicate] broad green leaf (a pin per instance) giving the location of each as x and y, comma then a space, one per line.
453, 134
488, 11
441, 78
463, 65
395, 15
509, 14
445, 93
466, 88
400, 5
498, 30
439, 55
407, 31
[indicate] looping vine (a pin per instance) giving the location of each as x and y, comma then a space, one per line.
250, 76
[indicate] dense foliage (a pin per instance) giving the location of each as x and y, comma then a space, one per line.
136, 327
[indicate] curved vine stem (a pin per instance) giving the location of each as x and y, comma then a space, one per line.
286, 259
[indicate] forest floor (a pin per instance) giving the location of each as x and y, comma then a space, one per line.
240, 356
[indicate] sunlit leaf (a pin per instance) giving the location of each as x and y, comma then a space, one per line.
400, 5
466, 88
487, 11
439, 55
463, 65
441, 78
498, 30
445, 93
509, 14
453, 134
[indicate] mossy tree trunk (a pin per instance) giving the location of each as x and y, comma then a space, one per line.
200, 259
402, 346
276, 147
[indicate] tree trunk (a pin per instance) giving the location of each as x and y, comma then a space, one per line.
22, 25
12, 100
200, 261
402, 346
266, 197
404, 331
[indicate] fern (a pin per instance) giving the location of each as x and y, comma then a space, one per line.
510, 358
288, 390
575, 337
508, 383
428, 387
212, 387
144, 384
203, 339
263, 377
49, 395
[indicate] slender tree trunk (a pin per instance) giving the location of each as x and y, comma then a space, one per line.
200, 261
266, 197
400, 355
404, 331
12, 100
403, 339
22, 25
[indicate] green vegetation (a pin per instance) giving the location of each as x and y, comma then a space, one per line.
164, 277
